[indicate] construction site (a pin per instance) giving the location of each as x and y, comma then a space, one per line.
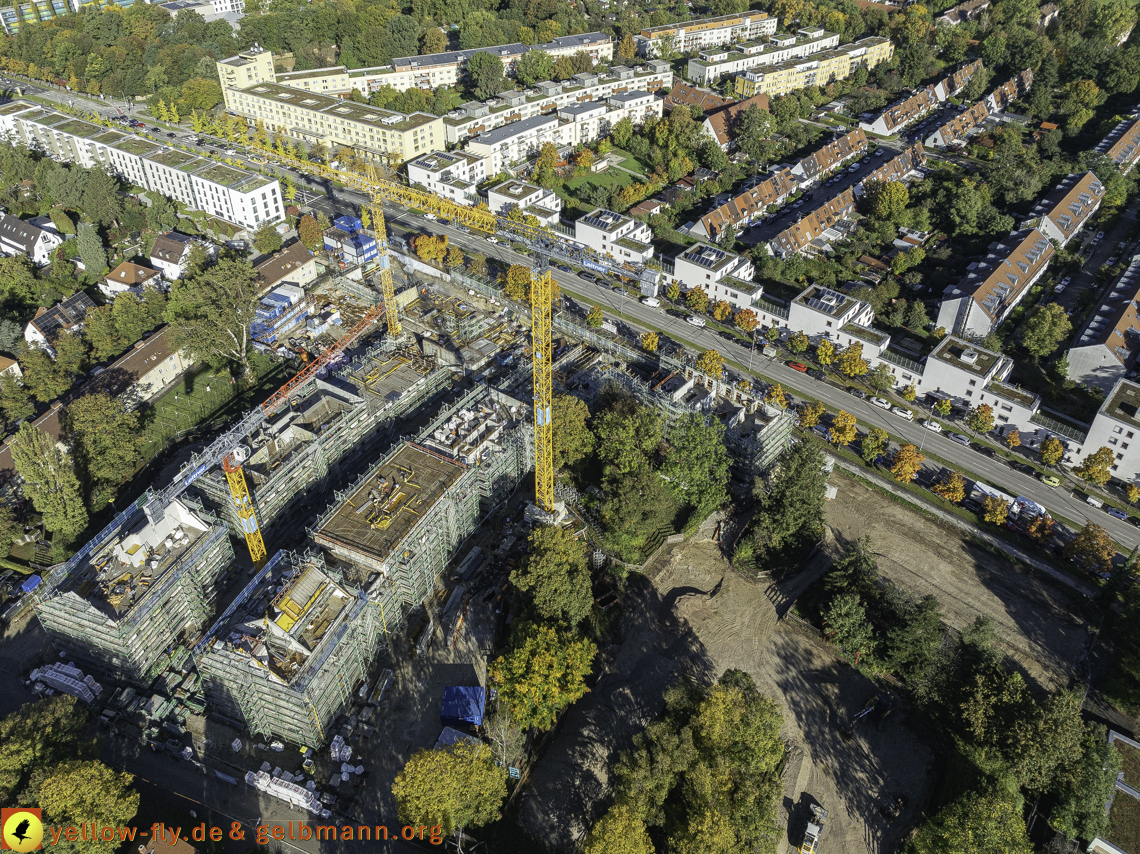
147, 587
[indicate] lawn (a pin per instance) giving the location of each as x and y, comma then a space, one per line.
628, 161
570, 191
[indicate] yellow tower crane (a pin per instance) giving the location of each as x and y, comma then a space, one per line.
231, 465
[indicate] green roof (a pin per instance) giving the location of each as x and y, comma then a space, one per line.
222, 174
177, 160
140, 147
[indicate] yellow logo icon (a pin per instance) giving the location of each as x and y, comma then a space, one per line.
22, 830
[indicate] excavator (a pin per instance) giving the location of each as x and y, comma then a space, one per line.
814, 830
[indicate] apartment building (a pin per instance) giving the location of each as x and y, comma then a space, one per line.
545, 205
234, 195
834, 154
1068, 208
478, 117
901, 168
251, 66
1116, 427
820, 312
959, 128
995, 285
622, 238
815, 231
962, 12
1106, 347
451, 174
689, 36
816, 70
320, 119
1122, 145
684, 95
584, 122
721, 275
712, 65
750, 205
16, 15
1005, 94
231, 11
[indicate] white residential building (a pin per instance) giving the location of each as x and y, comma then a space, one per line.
67, 316
702, 33
722, 275
995, 285
170, 253
622, 238
1068, 208
1105, 349
1116, 426
18, 237
820, 312
714, 64
451, 174
532, 200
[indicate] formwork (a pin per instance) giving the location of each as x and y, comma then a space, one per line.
143, 590
286, 656
329, 426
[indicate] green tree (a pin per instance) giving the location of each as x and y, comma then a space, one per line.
619, 831
754, 129
134, 316
534, 66
434, 41
572, 440
1045, 329
542, 672
880, 377
310, 233
791, 508
102, 333
485, 71
981, 418
1052, 451
62, 222
49, 481
19, 288
885, 200
106, 439
477, 264
267, 240
697, 462
39, 735
1078, 811
798, 343
1097, 466
15, 403
91, 251
47, 378
846, 625
456, 788
627, 435
210, 311
555, 575
83, 791
874, 444
914, 640
1048, 741
975, 823
595, 318
101, 200
1092, 549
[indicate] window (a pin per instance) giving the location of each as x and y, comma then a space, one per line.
969, 394
1120, 456
1117, 429
1112, 441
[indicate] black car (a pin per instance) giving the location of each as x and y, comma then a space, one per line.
586, 275
675, 312
972, 506
985, 449
858, 392
1024, 468
171, 135
816, 374
727, 336
564, 268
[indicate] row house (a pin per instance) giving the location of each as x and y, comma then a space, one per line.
684, 95
451, 174
817, 229
476, 117
906, 112
996, 284
832, 155
956, 81
721, 124
750, 205
819, 69
1105, 349
689, 36
959, 128
1068, 208
903, 167
962, 12
1009, 91
721, 275
713, 65
1122, 145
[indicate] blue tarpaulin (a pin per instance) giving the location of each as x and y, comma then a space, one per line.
33, 581
462, 705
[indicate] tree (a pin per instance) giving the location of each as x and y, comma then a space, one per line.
879, 377
885, 200
102, 333
571, 440
811, 414
981, 418
1097, 466
106, 439
161, 215
46, 378
134, 316
1045, 329
517, 283
952, 487
533, 67
429, 247
15, 402
477, 264
49, 481
975, 823
434, 41
1133, 492
453, 789
798, 343
649, 342
101, 200
851, 362
1013, 438
907, 463
754, 128
727, 237
485, 71
776, 397
825, 352
791, 510
91, 251
697, 299
696, 462
874, 444
554, 573
542, 673
942, 408
843, 430
846, 625
909, 393
82, 791
266, 240
62, 222
1052, 451
210, 312
1092, 549
454, 256
619, 831
711, 362
721, 310
1079, 809
995, 510
595, 318
310, 233
746, 320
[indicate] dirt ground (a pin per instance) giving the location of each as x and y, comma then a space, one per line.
697, 617
1039, 624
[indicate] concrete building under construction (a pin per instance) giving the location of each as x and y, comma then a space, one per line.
288, 653
329, 428
137, 591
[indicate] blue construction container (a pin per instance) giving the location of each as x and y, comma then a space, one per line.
348, 223
462, 706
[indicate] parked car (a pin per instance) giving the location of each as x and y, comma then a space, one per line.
797, 366
1050, 480
882, 404
816, 374
430, 217
857, 392
959, 438
492, 240
231, 152
727, 336
587, 276
1060, 289
1116, 513
903, 412
676, 312
820, 431
693, 320
1110, 261
467, 230
879, 152
932, 425
1100, 235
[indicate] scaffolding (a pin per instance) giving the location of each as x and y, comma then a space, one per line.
142, 591
287, 655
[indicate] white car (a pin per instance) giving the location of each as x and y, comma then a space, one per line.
652, 302
1100, 235
492, 240
1110, 261
882, 404
1066, 280
931, 425
430, 217
693, 320
903, 412
231, 152
959, 438
1059, 289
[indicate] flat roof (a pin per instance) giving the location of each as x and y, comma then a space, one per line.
952, 349
388, 504
1124, 403
514, 129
